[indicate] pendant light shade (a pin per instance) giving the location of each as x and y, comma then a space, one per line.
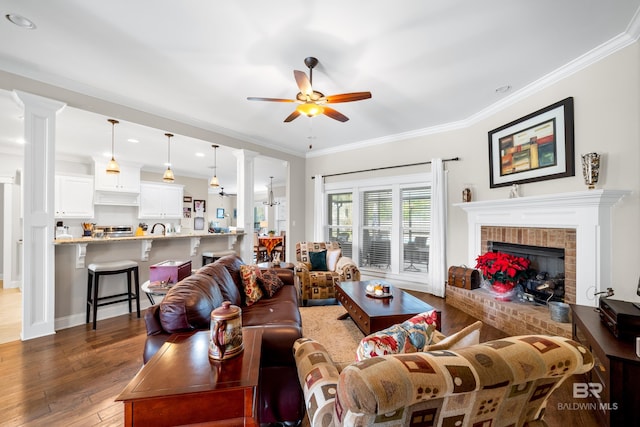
168, 174
271, 201
214, 180
112, 166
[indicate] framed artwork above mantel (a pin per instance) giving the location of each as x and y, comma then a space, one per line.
536, 147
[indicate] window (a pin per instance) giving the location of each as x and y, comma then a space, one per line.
416, 227
339, 220
384, 225
377, 222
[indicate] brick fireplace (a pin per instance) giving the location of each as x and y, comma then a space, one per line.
579, 223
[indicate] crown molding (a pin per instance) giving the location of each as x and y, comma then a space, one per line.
630, 36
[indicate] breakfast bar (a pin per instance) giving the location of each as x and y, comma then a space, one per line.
73, 255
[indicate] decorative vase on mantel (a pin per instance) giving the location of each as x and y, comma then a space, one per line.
591, 169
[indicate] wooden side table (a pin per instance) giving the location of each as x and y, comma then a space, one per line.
617, 368
181, 385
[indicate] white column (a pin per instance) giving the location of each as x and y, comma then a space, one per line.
245, 165
38, 291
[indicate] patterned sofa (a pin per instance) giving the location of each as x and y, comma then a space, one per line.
320, 265
505, 382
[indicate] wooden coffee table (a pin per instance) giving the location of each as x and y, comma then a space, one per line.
181, 385
374, 314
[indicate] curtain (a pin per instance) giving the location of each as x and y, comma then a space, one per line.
437, 248
318, 212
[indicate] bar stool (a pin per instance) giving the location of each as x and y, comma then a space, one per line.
95, 270
211, 256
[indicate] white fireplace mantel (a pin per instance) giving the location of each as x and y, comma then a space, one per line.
588, 212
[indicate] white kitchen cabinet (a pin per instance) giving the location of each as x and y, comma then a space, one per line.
160, 201
127, 181
74, 196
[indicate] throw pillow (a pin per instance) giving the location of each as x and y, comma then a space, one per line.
270, 282
410, 336
318, 260
333, 255
464, 338
173, 318
252, 291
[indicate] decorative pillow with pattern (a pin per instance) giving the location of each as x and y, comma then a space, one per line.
270, 282
409, 336
250, 275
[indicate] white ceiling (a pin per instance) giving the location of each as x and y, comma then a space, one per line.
427, 64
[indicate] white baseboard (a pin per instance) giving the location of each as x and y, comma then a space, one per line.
106, 312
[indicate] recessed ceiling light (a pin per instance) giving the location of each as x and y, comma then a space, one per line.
503, 89
20, 21
133, 140
199, 154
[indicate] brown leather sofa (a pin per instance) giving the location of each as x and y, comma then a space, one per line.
188, 305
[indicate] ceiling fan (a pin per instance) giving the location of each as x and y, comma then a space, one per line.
313, 102
223, 193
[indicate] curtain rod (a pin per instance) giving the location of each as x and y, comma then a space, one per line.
453, 159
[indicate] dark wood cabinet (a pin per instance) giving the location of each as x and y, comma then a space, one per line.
617, 369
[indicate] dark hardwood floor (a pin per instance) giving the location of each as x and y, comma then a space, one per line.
72, 378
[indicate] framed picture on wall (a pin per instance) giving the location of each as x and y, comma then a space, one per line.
186, 199
199, 208
220, 213
198, 223
533, 148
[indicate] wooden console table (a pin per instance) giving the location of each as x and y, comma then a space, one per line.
617, 368
181, 385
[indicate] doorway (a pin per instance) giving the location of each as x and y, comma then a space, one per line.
10, 289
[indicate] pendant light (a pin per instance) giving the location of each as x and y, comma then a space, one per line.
168, 174
271, 202
214, 180
112, 166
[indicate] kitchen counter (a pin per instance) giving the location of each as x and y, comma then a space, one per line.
146, 243
93, 240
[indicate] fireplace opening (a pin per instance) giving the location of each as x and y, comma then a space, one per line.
547, 264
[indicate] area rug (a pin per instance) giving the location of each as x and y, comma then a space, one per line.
340, 337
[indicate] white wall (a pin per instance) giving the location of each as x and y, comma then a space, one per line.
607, 108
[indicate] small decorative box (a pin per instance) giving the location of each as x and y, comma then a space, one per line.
169, 271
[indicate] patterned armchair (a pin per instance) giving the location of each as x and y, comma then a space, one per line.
503, 382
320, 265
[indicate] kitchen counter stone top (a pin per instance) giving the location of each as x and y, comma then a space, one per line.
92, 240
146, 243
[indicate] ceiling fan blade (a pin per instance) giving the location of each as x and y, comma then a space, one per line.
292, 116
336, 115
256, 98
304, 84
348, 97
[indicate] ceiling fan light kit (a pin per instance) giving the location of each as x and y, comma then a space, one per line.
313, 102
112, 166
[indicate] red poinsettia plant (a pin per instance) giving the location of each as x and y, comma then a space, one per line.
503, 270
